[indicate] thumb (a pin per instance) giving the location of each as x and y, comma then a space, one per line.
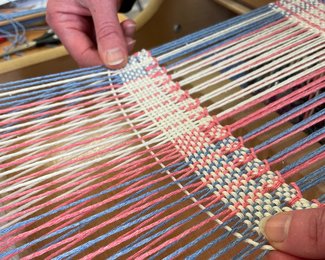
298, 233
111, 43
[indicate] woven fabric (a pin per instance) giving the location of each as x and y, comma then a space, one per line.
178, 155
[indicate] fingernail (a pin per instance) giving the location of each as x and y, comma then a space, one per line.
130, 28
131, 43
131, 25
276, 228
114, 57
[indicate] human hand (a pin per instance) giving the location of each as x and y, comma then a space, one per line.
91, 32
296, 235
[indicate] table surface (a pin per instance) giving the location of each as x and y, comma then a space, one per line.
256, 3
30, 57
30, 36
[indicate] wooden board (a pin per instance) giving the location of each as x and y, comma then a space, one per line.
256, 3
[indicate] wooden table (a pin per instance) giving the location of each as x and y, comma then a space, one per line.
242, 6
22, 66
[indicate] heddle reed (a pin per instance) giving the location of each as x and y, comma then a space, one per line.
180, 154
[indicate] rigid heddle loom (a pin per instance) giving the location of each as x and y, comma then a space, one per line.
178, 155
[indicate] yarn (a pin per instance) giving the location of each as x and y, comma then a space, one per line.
178, 155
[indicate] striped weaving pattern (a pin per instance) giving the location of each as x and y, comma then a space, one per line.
178, 155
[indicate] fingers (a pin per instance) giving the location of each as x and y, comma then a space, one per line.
84, 52
91, 32
276, 255
298, 233
129, 27
73, 30
112, 46
80, 46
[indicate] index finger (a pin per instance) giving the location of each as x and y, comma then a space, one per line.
74, 30
111, 43
80, 47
